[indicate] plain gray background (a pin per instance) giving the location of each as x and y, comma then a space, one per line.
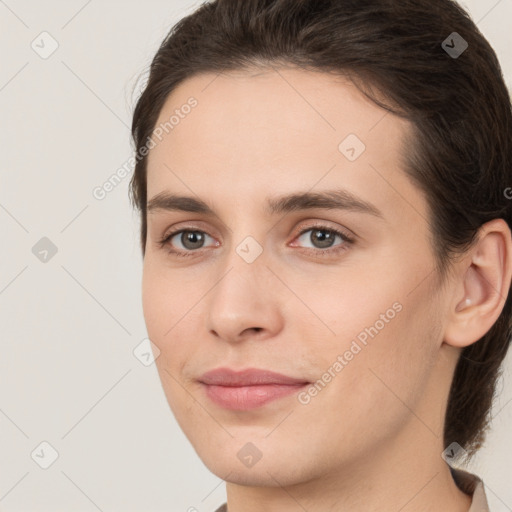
71, 320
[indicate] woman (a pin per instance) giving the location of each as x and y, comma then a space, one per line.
325, 229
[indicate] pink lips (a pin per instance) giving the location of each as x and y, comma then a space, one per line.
249, 388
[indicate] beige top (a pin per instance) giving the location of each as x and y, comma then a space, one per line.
466, 482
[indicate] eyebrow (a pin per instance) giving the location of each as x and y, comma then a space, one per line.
338, 199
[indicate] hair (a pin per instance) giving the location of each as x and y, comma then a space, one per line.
460, 150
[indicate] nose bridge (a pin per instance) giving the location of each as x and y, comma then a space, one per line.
245, 272
245, 252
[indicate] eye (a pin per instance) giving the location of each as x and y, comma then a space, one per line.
323, 238
190, 241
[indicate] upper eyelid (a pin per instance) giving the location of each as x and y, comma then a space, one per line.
302, 227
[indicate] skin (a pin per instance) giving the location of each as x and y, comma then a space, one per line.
371, 439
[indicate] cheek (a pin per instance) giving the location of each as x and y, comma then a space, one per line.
384, 344
164, 296
162, 304
170, 308
393, 312
162, 310
359, 304
153, 303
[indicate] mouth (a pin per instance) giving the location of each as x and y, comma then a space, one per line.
248, 389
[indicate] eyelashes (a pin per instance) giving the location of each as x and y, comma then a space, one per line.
347, 241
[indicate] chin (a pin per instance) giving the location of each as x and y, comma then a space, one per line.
271, 471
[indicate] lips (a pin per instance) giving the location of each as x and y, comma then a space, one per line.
249, 377
248, 389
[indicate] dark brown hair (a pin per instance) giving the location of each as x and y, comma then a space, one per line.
460, 154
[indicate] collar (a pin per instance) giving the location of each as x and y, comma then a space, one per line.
472, 485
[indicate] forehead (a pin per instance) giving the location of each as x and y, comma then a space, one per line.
251, 132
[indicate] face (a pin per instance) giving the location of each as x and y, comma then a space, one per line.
339, 297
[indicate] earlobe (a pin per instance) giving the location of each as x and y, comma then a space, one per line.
483, 286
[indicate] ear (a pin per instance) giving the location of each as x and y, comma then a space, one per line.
482, 285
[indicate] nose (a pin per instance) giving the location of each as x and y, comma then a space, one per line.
246, 302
